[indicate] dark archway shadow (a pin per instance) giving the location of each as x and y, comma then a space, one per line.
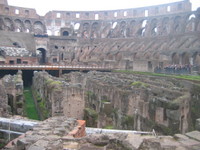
65, 33
42, 57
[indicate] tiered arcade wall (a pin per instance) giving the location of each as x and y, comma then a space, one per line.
137, 39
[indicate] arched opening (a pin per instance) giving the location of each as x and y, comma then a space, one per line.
141, 32
175, 58
192, 16
11, 103
196, 59
17, 30
77, 26
132, 28
41, 55
125, 13
115, 14
154, 29
185, 59
8, 24
38, 28
96, 16
144, 23
27, 26
62, 56
165, 26
18, 25
94, 106
114, 25
177, 24
65, 33
85, 33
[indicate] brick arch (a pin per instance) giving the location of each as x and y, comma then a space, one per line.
106, 30
165, 26
185, 57
131, 28
142, 28
175, 58
123, 27
9, 26
94, 30
147, 55
154, 27
110, 56
27, 25
38, 28
156, 55
196, 59
77, 26
86, 30
19, 25
118, 56
115, 29
191, 23
177, 24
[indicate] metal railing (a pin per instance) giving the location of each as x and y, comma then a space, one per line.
53, 67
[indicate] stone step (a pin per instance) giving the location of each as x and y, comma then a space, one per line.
186, 141
194, 135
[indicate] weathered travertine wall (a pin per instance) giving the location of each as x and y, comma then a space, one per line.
119, 100
140, 39
56, 133
56, 96
138, 102
12, 100
3, 101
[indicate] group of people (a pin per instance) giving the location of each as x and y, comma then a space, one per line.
174, 69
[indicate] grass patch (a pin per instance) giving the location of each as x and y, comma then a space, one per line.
104, 101
30, 108
91, 113
187, 77
139, 84
109, 127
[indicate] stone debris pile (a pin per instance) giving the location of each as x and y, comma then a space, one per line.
46, 135
15, 52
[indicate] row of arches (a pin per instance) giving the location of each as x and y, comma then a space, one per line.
17, 25
186, 58
137, 27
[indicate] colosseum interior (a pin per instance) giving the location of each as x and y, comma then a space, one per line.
125, 79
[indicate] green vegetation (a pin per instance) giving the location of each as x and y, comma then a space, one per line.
43, 110
109, 127
186, 77
91, 117
41, 104
195, 103
30, 108
92, 113
2, 143
128, 122
115, 113
54, 85
90, 95
104, 100
139, 84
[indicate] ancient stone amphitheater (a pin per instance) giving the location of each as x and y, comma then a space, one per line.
139, 105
